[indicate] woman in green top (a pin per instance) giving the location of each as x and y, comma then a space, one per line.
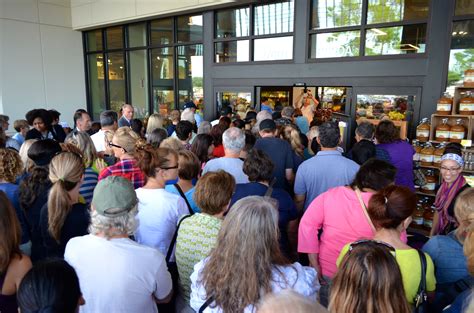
390, 211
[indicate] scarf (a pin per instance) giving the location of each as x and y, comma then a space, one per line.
444, 197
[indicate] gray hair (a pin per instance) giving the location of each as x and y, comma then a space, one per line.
365, 130
204, 128
108, 118
233, 139
288, 111
113, 226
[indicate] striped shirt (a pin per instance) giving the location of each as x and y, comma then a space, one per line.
126, 168
88, 185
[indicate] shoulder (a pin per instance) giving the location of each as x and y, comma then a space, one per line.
19, 265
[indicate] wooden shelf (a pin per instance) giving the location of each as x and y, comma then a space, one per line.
437, 168
426, 194
422, 231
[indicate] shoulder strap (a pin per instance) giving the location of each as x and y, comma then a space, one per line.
364, 208
173, 240
421, 296
206, 304
184, 197
269, 191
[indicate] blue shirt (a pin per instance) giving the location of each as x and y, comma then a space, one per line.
303, 124
265, 107
326, 170
189, 196
18, 137
448, 257
11, 190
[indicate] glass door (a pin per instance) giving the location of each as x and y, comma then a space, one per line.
240, 100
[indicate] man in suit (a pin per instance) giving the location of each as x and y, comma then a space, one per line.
127, 115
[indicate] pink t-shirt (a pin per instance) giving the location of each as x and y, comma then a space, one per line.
340, 215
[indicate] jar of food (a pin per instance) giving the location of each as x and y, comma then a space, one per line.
418, 215
438, 153
428, 217
444, 105
442, 131
431, 181
423, 130
469, 78
426, 155
457, 132
466, 104
417, 147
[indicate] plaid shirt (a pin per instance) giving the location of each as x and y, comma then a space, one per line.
126, 168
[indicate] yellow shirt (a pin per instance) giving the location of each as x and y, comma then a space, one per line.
410, 266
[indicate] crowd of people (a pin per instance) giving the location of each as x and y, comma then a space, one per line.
257, 213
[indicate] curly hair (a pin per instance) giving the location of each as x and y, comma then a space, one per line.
239, 269
10, 165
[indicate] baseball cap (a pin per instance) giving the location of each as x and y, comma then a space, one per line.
267, 124
114, 196
190, 105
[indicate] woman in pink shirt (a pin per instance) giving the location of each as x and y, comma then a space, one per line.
341, 214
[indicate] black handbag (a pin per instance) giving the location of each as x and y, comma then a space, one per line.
421, 298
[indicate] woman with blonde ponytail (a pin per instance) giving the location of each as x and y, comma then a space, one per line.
64, 216
453, 254
291, 134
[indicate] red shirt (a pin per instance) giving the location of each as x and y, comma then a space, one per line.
218, 151
126, 168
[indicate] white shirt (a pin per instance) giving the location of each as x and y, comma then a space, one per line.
301, 279
159, 212
99, 140
118, 275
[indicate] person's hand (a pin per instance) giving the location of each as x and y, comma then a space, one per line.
100, 164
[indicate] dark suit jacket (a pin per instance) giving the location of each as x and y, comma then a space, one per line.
56, 130
123, 122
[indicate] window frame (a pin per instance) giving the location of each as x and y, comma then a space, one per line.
125, 52
363, 27
252, 37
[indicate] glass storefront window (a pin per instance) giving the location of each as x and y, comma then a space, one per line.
281, 49
114, 37
385, 11
116, 80
162, 32
190, 73
274, 18
464, 7
232, 51
238, 101
461, 57
94, 40
96, 84
162, 79
190, 28
334, 98
137, 35
331, 14
396, 40
232, 23
337, 44
138, 81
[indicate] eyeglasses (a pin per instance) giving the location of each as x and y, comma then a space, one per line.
169, 168
116, 146
377, 242
452, 170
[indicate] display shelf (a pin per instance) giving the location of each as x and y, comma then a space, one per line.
418, 230
437, 168
421, 193
467, 122
457, 97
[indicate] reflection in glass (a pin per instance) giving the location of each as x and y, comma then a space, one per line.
162, 79
162, 32
116, 80
232, 23
190, 28
94, 40
277, 48
190, 73
114, 37
398, 107
96, 84
461, 57
333, 98
137, 77
137, 35
396, 40
238, 101
464, 7
333, 45
274, 18
383, 11
232, 51
329, 14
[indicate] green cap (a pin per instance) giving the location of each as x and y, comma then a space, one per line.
114, 196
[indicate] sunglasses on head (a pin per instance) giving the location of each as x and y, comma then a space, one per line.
366, 241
